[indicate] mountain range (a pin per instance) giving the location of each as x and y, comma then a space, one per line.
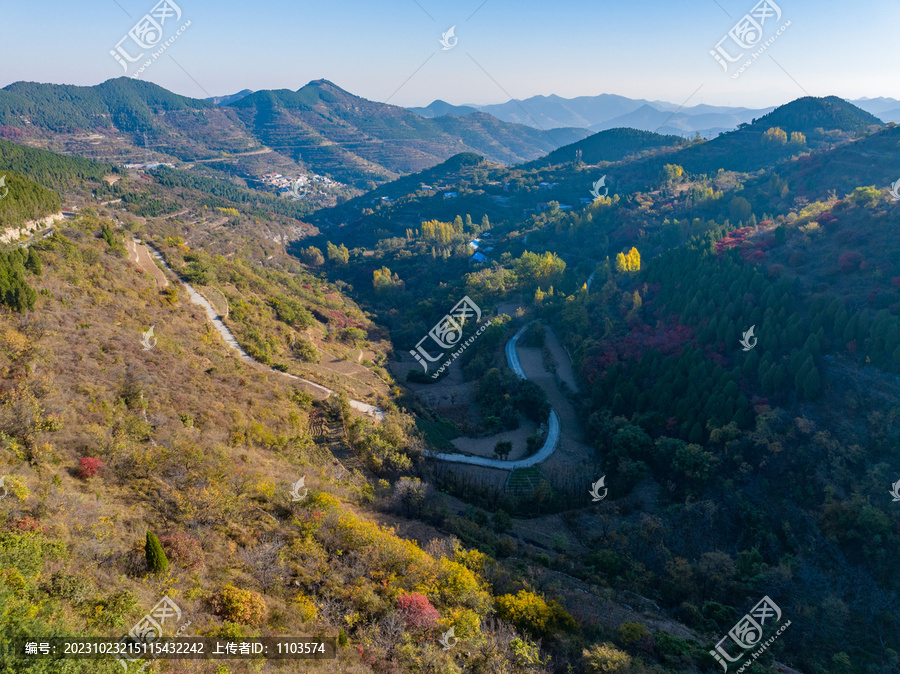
319, 128
609, 111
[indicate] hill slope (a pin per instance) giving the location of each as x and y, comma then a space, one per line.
611, 145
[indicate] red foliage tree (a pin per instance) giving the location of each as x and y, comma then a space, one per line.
182, 549
850, 261
417, 611
89, 467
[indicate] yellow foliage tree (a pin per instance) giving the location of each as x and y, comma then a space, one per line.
776, 136
630, 261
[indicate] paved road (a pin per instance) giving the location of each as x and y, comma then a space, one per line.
230, 340
550, 444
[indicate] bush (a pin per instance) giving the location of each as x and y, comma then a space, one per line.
66, 586
306, 608
630, 633
89, 467
306, 351
28, 525
503, 448
112, 610
530, 612
850, 261
184, 550
157, 562
601, 659
244, 607
417, 611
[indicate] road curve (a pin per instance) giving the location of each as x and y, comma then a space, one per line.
550, 444
230, 340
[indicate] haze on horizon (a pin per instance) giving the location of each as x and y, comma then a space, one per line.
391, 53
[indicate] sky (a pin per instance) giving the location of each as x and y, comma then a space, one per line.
390, 50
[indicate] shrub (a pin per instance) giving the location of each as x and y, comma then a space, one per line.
306, 608
28, 524
306, 351
601, 659
157, 562
850, 261
629, 633
530, 612
66, 586
503, 448
244, 607
342, 638
112, 609
89, 467
417, 611
352, 335
184, 550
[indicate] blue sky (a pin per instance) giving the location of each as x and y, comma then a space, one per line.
657, 49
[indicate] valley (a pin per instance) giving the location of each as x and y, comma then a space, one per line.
219, 392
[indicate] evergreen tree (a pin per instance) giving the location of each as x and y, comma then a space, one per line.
34, 262
157, 561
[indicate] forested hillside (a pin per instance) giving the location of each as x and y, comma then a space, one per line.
736, 352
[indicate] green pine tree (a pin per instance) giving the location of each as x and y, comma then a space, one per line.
157, 561
34, 262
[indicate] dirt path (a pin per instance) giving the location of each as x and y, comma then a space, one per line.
265, 150
139, 254
231, 341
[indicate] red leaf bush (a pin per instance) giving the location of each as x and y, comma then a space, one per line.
417, 611
89, 467
182, 549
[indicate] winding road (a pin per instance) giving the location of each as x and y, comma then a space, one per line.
550, 444
230, 340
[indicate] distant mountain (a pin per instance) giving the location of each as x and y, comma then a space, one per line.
706, 120
891, 115
225, 100
886, 109
439, 108
320, 127
876, 105
610, 145
608, 111
551, 111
